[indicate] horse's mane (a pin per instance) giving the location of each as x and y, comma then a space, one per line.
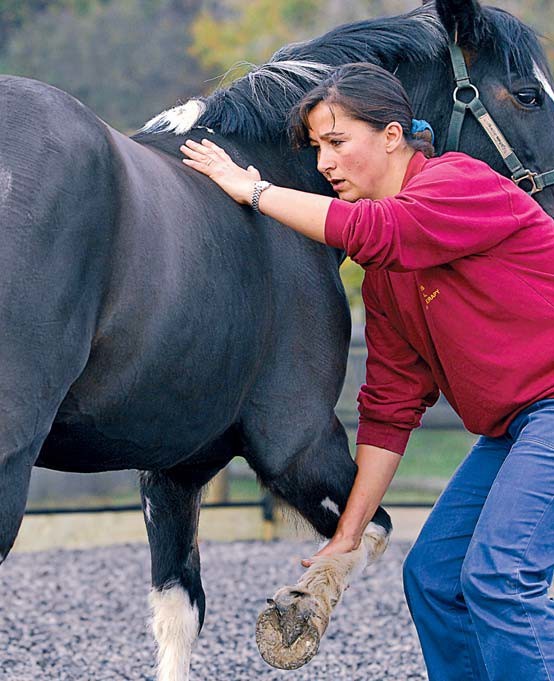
256, 106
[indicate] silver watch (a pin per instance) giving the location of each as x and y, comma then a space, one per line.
259, 187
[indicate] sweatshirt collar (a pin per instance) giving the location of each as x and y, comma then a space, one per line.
415, 166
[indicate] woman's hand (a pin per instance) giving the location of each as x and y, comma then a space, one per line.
213, 161
338, 544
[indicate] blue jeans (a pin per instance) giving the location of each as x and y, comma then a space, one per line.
477, 578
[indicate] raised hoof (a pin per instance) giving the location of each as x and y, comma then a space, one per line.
286, 640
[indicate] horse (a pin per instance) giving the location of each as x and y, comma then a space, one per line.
150, 323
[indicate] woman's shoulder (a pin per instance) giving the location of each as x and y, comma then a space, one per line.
458, 173
455, 177
457, 160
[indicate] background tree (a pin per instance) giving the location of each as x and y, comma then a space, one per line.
126, 60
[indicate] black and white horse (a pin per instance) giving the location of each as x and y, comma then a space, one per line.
148, 322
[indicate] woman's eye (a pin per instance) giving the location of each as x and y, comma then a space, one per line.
336, 143
530, 97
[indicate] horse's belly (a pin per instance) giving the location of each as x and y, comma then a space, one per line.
81, 448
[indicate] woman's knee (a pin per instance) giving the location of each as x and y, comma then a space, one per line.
484, 576
417, 570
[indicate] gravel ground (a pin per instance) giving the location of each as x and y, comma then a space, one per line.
82, 615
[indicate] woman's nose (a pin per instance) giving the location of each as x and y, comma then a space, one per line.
324, 162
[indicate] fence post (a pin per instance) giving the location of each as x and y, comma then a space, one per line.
218, 489
268, 507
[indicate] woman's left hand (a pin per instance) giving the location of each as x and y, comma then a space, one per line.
338, 544
215, 162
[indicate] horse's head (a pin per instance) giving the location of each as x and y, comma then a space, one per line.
508, 67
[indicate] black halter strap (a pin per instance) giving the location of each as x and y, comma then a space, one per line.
466, 98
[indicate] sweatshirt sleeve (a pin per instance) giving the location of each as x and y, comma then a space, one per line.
399, 385
451, 210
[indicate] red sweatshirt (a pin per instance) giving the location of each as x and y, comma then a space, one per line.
459, 297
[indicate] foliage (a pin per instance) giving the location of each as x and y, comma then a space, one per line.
352, 276
232, 32
126, 60
15, 13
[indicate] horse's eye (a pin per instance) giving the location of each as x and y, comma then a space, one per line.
530, 97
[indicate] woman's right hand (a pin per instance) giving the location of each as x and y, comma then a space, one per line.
215, 163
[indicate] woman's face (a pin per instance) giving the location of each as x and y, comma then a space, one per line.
353, 156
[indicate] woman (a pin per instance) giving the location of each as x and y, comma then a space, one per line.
459, 297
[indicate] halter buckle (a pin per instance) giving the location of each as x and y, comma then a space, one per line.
528, 177
468, 86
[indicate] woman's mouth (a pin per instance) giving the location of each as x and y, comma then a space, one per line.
337, 185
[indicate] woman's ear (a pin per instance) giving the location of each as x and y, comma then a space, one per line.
393, 135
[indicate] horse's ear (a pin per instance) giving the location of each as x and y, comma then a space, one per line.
464, 19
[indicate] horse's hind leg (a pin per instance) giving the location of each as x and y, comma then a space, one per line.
171, 505
15, 472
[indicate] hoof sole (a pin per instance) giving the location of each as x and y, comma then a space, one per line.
272, 647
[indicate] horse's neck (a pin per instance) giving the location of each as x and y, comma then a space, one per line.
430, 91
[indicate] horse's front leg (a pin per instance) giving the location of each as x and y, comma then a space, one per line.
171, 506
316, 482
289, 631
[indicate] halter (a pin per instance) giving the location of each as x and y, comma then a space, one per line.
529, 181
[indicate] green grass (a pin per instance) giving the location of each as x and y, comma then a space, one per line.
435, 453
431, 452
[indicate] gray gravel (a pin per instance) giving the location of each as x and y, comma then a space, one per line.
82, 615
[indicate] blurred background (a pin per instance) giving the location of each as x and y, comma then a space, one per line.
130, 59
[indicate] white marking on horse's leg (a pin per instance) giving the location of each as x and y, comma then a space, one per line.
179, 120
147, 509
5, 185
543, 81
175, 623
330, 505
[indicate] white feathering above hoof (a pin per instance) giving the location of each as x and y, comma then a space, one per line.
175, 622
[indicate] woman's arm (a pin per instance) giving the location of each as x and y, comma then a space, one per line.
302, 211
376, 469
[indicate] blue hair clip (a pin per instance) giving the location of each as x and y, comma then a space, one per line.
420, 126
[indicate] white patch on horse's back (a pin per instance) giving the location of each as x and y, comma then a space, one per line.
175, 622
178, 120
330, 505
543, 80
5, 185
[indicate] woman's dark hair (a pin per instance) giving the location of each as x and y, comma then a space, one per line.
367, 93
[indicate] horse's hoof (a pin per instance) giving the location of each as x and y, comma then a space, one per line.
286, 639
